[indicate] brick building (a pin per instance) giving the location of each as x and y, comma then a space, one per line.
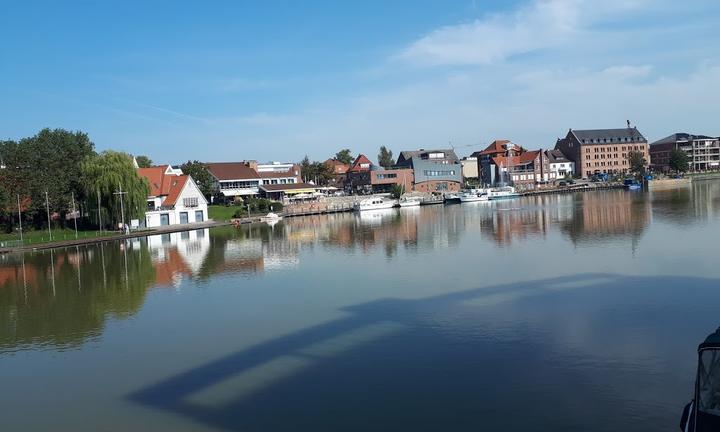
602, 150
433, 170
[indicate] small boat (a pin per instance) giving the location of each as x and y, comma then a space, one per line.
451, 198
374, 203
409, 202
473, 195
502, 193
631, 184
271, 217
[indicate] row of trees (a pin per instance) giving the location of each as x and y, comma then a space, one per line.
63, 167
322, 174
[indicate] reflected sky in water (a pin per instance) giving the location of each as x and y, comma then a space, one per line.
563, 312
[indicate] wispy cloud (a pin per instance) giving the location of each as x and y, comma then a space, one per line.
542, 24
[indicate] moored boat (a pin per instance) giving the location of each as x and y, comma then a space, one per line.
473, 195
503, 192
409, 202
374, 203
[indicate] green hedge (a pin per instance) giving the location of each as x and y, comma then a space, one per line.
258, 205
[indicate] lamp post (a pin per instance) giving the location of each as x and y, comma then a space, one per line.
20, 218
47, 208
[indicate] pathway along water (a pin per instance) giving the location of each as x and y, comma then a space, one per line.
559, 312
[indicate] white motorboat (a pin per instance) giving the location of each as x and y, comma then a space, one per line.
374, 203
473, 195
409, 202
502, 193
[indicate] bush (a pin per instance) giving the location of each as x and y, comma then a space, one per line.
258, 205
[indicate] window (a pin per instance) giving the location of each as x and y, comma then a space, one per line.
190, 202
434, 173
386, 176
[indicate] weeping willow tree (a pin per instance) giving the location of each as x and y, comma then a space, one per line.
109, 172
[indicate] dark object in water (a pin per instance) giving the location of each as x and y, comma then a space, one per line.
703, 412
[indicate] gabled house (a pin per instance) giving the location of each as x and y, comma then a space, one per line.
486, 167
365, 177
174, 197
526, 169
560, 166
433, 170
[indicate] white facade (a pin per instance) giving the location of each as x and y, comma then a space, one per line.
561, 169
190, 207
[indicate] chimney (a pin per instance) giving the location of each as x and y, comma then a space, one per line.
252, 165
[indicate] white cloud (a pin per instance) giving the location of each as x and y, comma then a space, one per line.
540, 25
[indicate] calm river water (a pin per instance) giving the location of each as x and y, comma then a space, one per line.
559, 313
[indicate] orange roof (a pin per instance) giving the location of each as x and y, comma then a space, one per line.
177, 183
522, 159
156, 176
162, 184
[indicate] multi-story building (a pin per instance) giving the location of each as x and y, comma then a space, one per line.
486, 167
470, 168
339, 172
237, 180
602, 150
703, 151
174, 198
433, 170
526, 169
365, 177
560, 165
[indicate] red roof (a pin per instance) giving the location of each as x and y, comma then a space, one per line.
495, 147
156, 176
162, 184
522, 159
360, 160
232, 171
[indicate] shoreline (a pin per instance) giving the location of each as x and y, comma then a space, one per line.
254, 219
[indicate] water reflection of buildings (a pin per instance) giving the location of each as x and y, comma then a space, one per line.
177, 255
583, 217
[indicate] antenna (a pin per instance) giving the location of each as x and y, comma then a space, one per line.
628, 123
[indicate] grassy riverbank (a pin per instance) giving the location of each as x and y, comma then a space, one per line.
41, 236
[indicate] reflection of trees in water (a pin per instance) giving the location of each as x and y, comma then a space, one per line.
700, 201
63, 297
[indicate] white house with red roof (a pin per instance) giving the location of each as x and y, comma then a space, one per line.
174, 197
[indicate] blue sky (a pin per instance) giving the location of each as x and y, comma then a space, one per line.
276, 80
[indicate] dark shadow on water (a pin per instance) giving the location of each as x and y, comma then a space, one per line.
589, 352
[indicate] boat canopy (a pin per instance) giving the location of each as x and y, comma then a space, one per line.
703, 413
708, 379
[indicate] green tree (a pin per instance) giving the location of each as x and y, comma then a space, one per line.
397, 191
199, 172
109, 171
637, 162
322, 173
47, 162
679, 160
143, 161
344, 156
385, 157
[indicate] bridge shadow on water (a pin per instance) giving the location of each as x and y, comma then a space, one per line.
586, 352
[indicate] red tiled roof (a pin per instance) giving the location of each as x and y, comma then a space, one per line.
361, 159
156, 177
495, 147
232, 171
161, 184
522, 159
177, 183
